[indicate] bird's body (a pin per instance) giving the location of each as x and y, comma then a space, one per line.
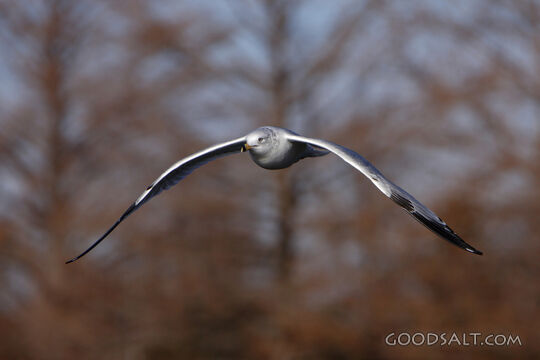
274, 148
276, 151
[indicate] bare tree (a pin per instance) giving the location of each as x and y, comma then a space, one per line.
97, 98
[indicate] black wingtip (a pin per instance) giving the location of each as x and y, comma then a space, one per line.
441, 229
70, 261
474, 251
132, 208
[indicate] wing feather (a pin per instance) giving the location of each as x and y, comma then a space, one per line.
416, 209
171, 177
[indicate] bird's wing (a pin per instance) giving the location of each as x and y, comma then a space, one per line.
417, 210
172, 176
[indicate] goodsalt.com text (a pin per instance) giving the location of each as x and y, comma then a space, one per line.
452, 339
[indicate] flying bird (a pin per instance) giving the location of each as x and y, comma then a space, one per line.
273, 148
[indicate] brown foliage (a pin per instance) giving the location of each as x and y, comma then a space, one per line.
98, 97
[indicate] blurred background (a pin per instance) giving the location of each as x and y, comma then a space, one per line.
98, 97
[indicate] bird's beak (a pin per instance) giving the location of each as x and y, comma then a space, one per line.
246, 147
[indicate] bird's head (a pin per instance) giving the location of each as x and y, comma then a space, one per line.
260, 141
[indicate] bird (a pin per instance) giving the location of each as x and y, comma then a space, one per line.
273, 148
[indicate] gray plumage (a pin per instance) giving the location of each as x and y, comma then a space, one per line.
277, 148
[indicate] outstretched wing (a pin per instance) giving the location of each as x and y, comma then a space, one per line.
420, 212
172, 176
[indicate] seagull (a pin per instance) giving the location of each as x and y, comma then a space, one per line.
274, 148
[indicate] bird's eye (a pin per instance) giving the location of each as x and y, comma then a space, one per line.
260, 139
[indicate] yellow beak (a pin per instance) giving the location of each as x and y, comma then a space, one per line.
246, 147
